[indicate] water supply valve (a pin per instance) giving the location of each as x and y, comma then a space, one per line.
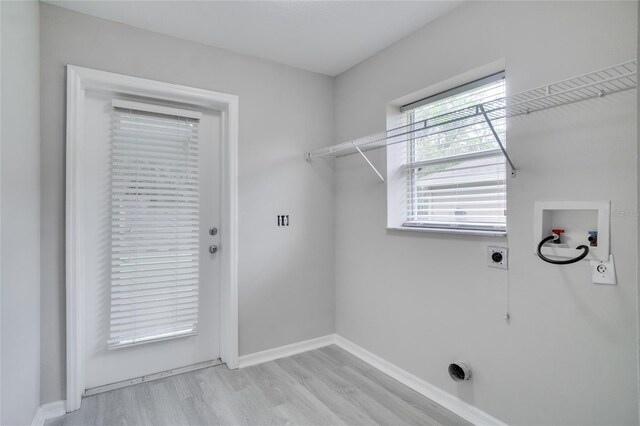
556, 235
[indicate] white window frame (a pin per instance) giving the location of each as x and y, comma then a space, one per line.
397, 162
79, 81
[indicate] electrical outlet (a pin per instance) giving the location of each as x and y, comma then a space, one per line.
603, 272
283, 220
497, 257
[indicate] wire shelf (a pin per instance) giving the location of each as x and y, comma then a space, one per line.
592, 85
587, 86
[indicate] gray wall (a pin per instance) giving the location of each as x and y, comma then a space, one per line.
570, 353
20, 212
286, 274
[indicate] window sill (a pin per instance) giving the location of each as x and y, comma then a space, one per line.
450, 231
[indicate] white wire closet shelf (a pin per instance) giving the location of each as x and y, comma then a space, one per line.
595, 84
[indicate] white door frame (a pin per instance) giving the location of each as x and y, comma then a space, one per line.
79, 80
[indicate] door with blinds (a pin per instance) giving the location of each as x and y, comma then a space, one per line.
153, 293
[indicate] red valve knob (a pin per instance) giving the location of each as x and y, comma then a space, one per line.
558, 231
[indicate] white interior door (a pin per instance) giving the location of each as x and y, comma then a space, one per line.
104, 364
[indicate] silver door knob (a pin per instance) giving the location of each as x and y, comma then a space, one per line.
213, 248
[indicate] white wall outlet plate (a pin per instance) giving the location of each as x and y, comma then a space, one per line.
497, 257
603, 272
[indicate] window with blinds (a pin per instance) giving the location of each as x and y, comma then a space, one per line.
456, 178
155, 222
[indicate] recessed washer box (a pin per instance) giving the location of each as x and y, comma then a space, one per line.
577, 218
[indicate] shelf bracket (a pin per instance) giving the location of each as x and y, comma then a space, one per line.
368, 162
495, 135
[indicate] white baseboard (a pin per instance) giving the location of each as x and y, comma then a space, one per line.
285, 351
437, 395
49, 411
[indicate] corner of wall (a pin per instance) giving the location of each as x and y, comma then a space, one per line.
638, 236
333, 206
20, 217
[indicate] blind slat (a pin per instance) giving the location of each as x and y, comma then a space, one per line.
124, 324
122, 287
129, 339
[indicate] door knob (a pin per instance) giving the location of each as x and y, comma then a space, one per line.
213, 248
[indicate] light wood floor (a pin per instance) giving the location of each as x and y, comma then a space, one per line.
327, 386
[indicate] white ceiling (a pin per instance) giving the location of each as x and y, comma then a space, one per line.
327, 37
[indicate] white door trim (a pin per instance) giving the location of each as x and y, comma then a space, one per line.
79, 80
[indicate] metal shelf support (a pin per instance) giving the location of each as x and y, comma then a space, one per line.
368, 162
495, 135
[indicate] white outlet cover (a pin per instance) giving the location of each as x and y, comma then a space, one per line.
603, 272
503, 264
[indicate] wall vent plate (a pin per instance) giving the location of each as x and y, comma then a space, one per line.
497, 257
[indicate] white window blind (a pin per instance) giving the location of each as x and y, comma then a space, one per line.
456, 175
155, 222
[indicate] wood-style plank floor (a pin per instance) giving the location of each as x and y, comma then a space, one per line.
327, 386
